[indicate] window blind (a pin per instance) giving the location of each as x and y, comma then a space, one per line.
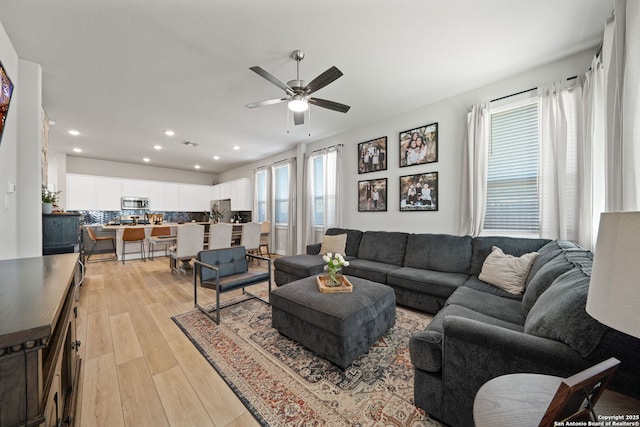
282, 194
318, 191
261, 197
512, 179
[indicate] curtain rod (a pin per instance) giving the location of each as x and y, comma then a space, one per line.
524, 91
327, 148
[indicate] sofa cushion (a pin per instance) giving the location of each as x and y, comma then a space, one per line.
507, 272
427, 282
482, 246
474, 283
548, 252
439, 252
300, 265
509, 310
333, 244
559, 313
425, 347
388, 247
353, 239
371, 270
550, 271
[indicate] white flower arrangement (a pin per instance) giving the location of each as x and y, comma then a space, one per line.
334, 264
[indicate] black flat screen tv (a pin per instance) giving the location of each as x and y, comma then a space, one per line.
6, 90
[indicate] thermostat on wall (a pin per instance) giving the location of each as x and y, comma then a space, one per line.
11, 187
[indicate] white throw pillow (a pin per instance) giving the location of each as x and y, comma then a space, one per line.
507, 272
333, 244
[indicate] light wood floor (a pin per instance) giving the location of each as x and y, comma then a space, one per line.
138, 368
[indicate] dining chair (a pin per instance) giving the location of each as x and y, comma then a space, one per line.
250, 238
220, 235
134, 234
265, 237
189, 241
95, 239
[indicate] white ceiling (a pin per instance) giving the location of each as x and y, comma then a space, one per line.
122, 71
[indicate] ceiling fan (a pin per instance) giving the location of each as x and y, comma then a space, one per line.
298, 92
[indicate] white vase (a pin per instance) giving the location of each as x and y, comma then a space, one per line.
47, 208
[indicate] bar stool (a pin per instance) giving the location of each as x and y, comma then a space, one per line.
133, 235
95, 238
159, 231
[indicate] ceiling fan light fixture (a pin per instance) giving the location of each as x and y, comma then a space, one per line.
298, 104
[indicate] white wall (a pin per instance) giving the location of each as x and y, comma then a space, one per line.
9, 156
451, 117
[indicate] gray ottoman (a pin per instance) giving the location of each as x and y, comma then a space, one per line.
339, 327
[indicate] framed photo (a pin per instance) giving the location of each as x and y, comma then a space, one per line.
419, 146
419, 192
372, 195
372, 155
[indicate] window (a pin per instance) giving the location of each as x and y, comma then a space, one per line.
318, 191
512, 177
261, 195
281, 174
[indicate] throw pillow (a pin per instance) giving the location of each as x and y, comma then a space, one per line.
333, 244
507, 272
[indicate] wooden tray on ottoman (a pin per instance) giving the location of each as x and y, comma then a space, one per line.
345, 287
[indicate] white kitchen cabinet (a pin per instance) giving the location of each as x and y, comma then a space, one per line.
241, 199
225, 190
194, 198
108, 193
81, 193
135, 188
157, 196
171, 197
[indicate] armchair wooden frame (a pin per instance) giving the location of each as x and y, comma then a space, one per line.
223, 280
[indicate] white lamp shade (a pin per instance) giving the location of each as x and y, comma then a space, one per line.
614, 291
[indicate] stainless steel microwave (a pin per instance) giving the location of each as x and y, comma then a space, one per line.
134, 203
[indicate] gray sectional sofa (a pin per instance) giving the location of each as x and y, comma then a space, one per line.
479, 331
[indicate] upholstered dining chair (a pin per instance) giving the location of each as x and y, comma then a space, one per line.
220, 235
134, 234
251, 237
189, 241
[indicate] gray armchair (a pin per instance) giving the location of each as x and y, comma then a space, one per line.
226, 270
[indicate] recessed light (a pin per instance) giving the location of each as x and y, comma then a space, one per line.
77, 150
197, 166
169, 132
73, 132
235, 147
146, 159
216, 157
157, 147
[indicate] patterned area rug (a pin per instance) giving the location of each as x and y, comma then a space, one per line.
283, 384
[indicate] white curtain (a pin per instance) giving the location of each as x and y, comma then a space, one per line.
332, 196
292, 229
475, 163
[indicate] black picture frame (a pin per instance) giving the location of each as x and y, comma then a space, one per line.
414, 196
368, 201
425, 148
372, 155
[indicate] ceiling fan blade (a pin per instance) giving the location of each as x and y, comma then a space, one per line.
273, 79
267, 102
298, 118
323, 79
336, 106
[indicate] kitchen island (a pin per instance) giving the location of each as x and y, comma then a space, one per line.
132, 249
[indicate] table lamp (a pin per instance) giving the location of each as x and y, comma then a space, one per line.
614, 291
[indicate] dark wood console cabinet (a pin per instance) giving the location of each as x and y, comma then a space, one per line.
39, 359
